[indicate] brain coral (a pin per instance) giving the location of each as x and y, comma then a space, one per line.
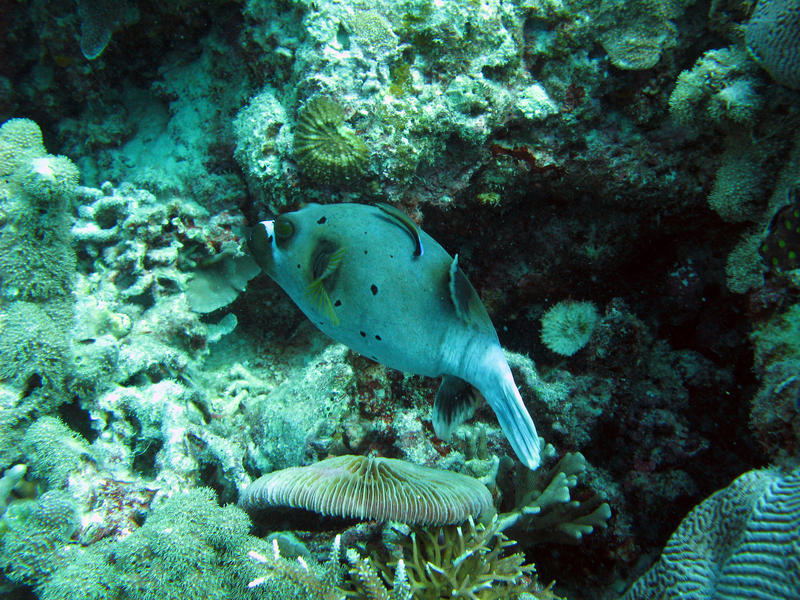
375, 488
740, 543
327, 149
773, 38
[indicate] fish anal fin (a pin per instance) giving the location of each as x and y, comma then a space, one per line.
455, 402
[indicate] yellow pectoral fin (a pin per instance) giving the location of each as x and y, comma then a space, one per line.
321, 300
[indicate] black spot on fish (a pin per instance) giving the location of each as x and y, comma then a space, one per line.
374, 289
365, 251
337, 303
322, 220
362, 334
377, 337
298, 266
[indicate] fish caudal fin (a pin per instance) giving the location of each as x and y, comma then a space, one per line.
517, 425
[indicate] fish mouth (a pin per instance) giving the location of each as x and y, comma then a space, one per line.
259, 242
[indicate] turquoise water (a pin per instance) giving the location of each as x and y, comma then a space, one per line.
587, 222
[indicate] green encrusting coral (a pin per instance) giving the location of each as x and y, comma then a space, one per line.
37, 265
188, 548
470, 561
327, 149
37, 261
33, 533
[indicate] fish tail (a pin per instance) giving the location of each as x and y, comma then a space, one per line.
514, 419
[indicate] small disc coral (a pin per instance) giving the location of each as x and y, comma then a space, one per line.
567, 326
327, 149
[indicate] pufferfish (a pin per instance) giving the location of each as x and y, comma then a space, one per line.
370, 279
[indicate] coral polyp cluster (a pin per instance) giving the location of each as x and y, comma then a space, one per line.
325, 147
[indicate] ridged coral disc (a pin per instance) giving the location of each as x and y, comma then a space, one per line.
379, 489
324, 146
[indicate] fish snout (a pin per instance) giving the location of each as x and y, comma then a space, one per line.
269, 228
259, 242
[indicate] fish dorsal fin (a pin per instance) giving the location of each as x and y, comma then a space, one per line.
402, 219
455, 402
467, 304
325, 261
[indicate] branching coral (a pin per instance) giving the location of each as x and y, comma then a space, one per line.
372, 585
305, 580
545, 509
470, 561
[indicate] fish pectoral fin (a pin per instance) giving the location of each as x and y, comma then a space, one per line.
325, 262
319, 297
455, 402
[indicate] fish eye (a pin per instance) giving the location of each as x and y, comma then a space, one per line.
284, 229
